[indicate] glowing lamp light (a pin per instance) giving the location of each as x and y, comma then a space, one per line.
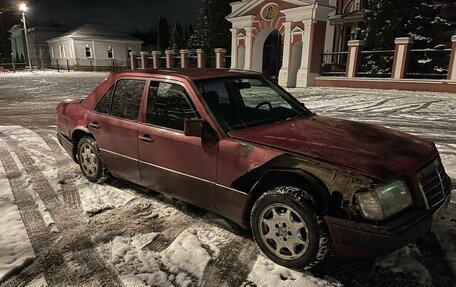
23, 7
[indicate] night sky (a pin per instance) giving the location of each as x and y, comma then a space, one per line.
121, 15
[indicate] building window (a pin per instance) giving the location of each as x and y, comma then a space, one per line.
62, 51
110, 53
71, 51
88, 51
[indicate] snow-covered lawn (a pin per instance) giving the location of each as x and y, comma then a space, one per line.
58, 229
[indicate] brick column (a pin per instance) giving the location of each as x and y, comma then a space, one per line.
201, 58
452, 65
220, 54
184, 58
248, 48
156, 59
401, 57
133, 62
354, 58
169, 59
284, 70
144, 59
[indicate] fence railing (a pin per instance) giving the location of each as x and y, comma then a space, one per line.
334, 63
428, 63
192, 61
13, 66
377, 64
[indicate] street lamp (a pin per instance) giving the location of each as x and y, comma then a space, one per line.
23, 7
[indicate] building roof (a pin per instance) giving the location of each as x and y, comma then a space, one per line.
94, 31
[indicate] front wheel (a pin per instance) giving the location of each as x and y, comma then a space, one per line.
90, 161
288, 229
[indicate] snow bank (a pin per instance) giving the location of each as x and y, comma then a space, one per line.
401, 261
181, 255
181, 264
51, 73
446, 233
96, 198
15, 247
38, 282
267, 273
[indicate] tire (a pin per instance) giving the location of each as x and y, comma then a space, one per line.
90, 161
288, 229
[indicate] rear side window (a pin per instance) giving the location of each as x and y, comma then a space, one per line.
104, 106
168, 106
127, 99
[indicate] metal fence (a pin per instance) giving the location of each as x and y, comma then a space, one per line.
333, 63
13, 66
428, 63
89, 65
192, 61
378, 64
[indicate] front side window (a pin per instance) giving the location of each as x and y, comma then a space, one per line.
242, 102
110, 53
168, 106
127, 99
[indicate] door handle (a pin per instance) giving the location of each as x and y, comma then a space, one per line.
95, 125
146, 138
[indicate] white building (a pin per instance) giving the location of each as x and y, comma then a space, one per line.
93, 45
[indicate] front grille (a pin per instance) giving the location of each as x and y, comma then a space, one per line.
434, 183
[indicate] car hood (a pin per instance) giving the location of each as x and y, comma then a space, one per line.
374, 151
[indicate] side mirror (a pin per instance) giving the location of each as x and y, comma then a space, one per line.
201, 129
193, 128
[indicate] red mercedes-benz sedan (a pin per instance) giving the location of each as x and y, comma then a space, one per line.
236, 144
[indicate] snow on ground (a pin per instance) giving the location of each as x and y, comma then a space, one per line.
97, 198
15, 247
401, 261
184, 260
38, 282
149, 242
267, 273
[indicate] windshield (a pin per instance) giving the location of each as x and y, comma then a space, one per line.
242, 102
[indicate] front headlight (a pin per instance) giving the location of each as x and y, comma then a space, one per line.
385, 200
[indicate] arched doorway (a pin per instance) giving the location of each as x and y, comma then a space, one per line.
267, 52
272, 55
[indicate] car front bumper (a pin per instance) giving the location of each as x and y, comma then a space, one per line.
354, 240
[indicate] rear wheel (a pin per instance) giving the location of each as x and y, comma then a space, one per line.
90, 161
288, 229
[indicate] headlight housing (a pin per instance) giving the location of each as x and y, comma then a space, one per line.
385, 200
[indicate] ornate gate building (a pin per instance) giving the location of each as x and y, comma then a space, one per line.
282, 38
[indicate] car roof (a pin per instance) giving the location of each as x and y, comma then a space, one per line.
191, 73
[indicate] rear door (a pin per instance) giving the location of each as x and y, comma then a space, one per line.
114, 124
170, 162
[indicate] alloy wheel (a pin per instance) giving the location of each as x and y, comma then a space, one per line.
283, 231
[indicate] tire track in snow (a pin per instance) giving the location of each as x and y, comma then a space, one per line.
73, 250
240, 253
37, 231
69, 189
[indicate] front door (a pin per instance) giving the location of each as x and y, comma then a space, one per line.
114, 124
170, 162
